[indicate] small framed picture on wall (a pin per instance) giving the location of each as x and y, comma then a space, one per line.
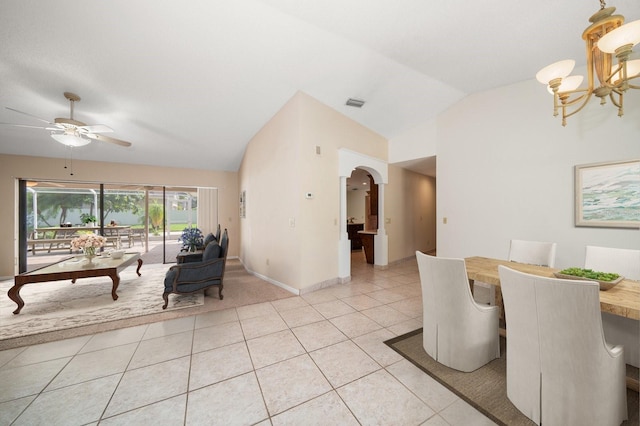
243, 204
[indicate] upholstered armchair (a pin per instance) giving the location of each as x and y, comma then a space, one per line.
560, 369
457, 331
196, 276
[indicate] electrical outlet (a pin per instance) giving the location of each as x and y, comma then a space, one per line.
267, 261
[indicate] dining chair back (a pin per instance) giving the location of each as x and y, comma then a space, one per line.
579, 378
533, 252
520, 251
625, 262
457, 332
618, 330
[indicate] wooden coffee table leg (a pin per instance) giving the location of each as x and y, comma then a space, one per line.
116, 282
139, 266
14, 294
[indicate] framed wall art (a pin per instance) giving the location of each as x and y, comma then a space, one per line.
608, 194
243, 204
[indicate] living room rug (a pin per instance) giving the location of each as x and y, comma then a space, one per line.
58, 309
486, 388
56, 305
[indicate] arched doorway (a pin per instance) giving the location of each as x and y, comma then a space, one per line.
349, 160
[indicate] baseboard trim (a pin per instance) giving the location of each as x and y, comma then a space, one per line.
309, 289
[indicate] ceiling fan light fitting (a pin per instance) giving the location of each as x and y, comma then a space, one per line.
70, 139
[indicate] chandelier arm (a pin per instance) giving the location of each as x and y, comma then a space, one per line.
584, 98
621, 83
617, 104
620, 103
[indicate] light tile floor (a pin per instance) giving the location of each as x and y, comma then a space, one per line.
318, 359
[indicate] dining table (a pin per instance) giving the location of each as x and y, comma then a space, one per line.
623, 299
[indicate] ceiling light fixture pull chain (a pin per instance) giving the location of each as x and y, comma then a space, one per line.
70, 168
602, 4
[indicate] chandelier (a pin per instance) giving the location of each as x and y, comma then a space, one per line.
605, 38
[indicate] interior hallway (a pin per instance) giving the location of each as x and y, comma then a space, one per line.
311, 359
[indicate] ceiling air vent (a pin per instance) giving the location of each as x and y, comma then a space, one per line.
355, 102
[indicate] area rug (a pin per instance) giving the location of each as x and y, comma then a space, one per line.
60, 310
486, 388
59, 305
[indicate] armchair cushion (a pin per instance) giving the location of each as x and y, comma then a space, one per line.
212, 251
209, 238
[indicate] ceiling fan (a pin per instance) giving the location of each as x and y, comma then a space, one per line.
72, 132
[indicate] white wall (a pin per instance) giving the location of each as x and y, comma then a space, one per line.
280, 165
298, 236
418, 142
506, 170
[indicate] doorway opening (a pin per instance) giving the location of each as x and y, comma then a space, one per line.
378, 175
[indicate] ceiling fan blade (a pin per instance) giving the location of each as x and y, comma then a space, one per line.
30, 115
96, 128
30, 127
103, 138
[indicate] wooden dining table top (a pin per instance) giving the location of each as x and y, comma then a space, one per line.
623, 299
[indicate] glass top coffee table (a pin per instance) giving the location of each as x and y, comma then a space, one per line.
73, 268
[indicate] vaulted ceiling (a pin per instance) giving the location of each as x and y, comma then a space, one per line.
202, 77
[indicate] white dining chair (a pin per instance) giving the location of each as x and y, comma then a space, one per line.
523, 355
533, 252
520, 251
617, 329
625, 262
560, 369
457, 331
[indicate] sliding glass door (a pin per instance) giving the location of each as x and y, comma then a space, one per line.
143, 218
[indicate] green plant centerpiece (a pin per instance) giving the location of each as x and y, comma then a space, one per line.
88, 218
192, 239
590, 274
